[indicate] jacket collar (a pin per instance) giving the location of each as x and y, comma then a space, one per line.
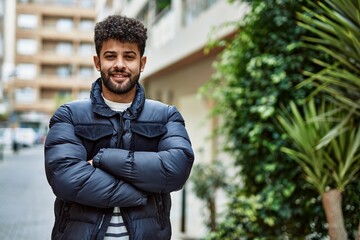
100, 107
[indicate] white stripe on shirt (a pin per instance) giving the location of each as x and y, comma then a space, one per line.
116, 229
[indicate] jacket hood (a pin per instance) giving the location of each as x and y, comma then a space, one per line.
100, 107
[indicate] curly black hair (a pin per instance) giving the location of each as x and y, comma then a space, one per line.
122, 28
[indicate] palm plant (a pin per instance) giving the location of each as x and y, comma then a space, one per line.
336, 28
337, 33
330, 159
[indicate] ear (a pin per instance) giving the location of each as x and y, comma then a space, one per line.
97, 64
142, 63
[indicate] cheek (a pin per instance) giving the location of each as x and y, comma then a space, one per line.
105, 67
135, 67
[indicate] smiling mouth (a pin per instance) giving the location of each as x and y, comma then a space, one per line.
119, 76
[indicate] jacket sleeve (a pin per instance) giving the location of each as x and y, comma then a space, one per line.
72, 178
163, 171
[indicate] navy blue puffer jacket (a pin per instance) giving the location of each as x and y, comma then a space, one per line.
139, 157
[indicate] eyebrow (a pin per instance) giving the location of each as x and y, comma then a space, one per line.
109, 52
131, 52
114, 52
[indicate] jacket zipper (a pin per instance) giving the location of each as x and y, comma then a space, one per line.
120, 132
126, 222
101, 222
119, 145
98, 232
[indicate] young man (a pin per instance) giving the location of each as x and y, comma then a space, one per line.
112, 160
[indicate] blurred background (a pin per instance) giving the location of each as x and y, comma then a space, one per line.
269, 90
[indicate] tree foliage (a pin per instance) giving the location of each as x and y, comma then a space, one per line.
337, 32
255, 73
207, 178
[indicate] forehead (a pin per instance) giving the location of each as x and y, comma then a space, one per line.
117, 46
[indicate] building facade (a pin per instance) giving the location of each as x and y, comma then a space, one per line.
51, 51
2, 15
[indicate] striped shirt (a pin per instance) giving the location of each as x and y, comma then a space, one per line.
116, 229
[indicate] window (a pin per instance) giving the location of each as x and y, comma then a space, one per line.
86, 49
64, 94
64, 48
25, 95
86, 72
27, 21
66, 2
26, 71
87, 3
63, 71
64, 24
193, 9
86, 25
143, 15
26, 46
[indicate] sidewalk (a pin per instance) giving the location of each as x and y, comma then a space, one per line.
26, 200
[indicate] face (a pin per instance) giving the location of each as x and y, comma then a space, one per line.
120, 65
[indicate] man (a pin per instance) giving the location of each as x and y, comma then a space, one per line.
112, 160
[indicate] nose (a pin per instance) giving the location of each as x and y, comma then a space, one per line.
119, 63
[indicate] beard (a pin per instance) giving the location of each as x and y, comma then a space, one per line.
122, 88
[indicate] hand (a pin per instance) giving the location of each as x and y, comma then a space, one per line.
90, 161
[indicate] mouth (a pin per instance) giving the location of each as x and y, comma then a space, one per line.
119, 76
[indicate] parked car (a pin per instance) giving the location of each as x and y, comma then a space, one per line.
23, 137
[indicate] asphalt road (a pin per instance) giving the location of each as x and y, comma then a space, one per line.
26, 200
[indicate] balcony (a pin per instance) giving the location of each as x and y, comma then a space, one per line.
194, 8
87, 4
74, 35
46, 106
71, 82
184, 30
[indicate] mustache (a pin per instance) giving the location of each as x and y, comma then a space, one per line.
122, 71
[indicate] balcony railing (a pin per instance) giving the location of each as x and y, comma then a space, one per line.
193, 8
67, 3
164, 30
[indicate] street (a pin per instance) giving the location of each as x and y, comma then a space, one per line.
26, 200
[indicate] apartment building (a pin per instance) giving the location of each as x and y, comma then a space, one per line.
177, 66
2, 47
52, 51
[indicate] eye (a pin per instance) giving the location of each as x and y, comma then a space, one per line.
110, 57
129, 57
